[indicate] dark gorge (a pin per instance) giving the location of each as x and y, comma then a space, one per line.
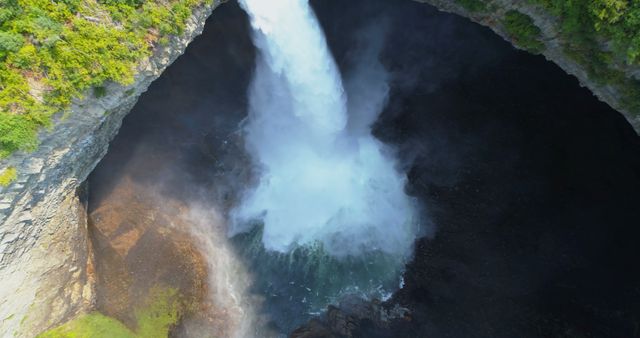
527, 186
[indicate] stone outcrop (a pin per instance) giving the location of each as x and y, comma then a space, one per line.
550, 35
43, 235
143, 244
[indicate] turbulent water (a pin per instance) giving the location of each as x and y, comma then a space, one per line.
324, 179
327, 216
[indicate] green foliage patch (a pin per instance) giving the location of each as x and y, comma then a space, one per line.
94, 325
523, 31
163, 309
473, 5
52, 51
600, 34
8, 176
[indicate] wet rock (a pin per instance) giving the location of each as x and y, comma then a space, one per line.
141, 245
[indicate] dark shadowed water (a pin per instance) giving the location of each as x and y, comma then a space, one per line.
533, 185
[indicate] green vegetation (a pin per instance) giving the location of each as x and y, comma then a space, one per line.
523, 31
600, 35
162, 311
154, 320
472, 5
99, 91
7, 176
616, 20
94, 325
52, 51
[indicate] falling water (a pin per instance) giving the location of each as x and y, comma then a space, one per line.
322, 179
329, 206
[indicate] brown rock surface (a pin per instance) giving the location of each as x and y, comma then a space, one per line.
142, 243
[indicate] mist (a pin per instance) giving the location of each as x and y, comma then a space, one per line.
323, 179
234, 307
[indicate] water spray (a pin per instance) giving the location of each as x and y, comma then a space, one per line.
322, 180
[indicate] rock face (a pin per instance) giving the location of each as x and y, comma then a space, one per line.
43, 234
49, 276
142, 244
550, 36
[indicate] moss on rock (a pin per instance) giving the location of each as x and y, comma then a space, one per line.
472, 5
95, 325
154, 319
8, 176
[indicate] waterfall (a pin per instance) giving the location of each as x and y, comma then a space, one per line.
324, 180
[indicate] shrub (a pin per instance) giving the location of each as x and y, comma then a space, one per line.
16, 133
9, 42
523, 31
8, 176
25, 58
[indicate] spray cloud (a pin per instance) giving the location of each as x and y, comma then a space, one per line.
323, 177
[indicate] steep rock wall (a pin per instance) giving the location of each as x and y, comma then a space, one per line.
551, 37
44, 251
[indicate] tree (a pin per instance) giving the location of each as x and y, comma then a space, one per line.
608, 11
10, 43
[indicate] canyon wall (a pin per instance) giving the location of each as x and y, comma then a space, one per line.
45, 261
44, 250
551, 36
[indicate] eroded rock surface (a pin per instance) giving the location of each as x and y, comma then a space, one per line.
142, 244
40, 211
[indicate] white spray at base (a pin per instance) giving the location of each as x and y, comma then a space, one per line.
323, 177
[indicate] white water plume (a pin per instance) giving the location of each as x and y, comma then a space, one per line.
323, 177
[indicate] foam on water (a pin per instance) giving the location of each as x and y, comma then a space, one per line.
324, 179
